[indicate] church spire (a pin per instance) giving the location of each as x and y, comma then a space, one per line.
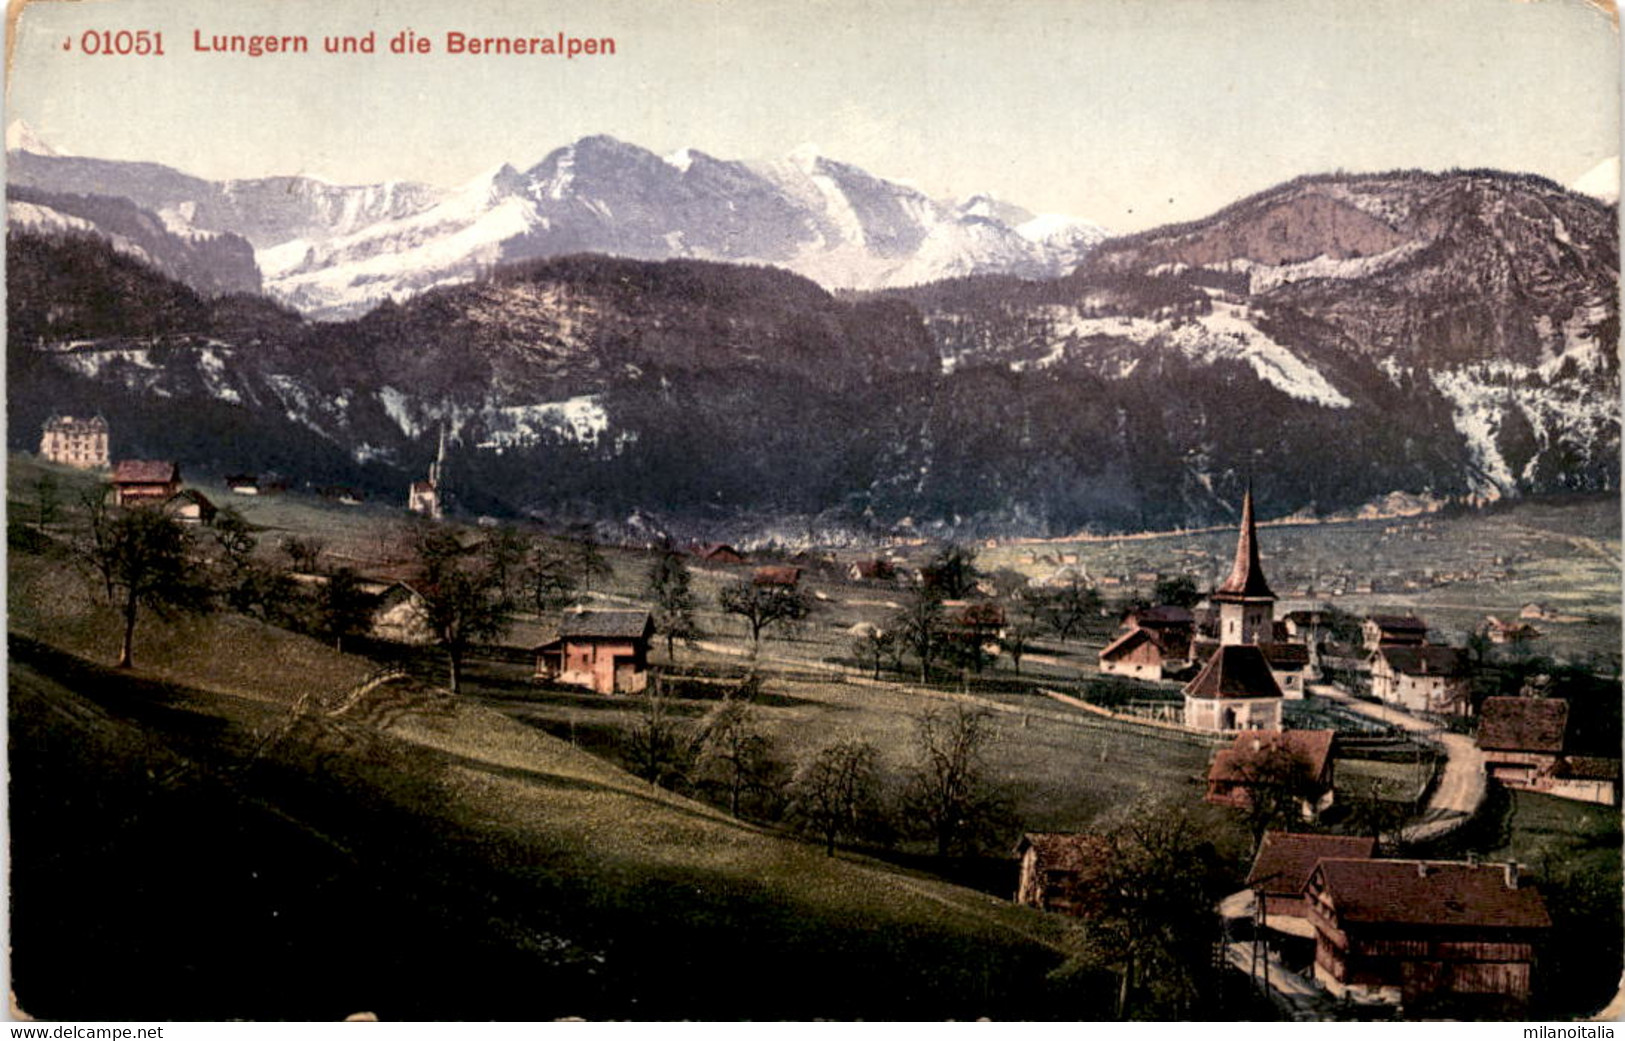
1246, 579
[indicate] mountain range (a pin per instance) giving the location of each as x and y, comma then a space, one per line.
333, 251
1336, 339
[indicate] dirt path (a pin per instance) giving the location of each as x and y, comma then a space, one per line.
1460, 789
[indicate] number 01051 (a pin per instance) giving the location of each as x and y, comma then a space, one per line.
122, 41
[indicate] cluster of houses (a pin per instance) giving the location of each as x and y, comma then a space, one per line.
1367, 929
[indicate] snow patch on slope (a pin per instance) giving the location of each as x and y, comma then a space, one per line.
581, 419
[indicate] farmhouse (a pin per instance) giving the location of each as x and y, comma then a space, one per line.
1282, 868
1422, 678
777, 577
604, 651
145, 482
1523, 741
1140, 653
877, 570
1058, 870
400, 615
1297, 762
1400, 931
75, 442
1381, 629
1508, 632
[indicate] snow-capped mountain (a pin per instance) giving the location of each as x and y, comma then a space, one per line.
1601, 181
334, 251
1342, 337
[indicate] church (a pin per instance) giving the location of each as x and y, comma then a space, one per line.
1236, 689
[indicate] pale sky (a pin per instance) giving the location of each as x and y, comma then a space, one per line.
1127, 112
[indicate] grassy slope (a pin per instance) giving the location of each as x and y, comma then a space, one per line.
422, 857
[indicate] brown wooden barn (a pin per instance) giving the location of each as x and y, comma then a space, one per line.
1274, 757
1411, 931
1057, 869
604, 651
145, 482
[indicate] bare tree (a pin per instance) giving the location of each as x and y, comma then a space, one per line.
764, 607
144, 560
919, 626
462, 595
1278, 781
950, 794
875, 647
734, 751
304, 552
662, 748
836, 794
1065, 609
47, 501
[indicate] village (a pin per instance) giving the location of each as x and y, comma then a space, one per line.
1382, 782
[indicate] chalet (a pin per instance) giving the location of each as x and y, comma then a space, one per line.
192, 506
1282, 868
1406, 931
784, 576
145, 482
718, 553
1422, 678
1234, 691
76, 442
243, 484
1298, 760
1522, 739
1140, 653
1058, 870
1405, 630
1509, 632
872, 571
604, 651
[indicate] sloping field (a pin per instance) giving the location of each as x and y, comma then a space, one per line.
186, 853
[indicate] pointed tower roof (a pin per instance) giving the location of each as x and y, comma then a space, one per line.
1246, 581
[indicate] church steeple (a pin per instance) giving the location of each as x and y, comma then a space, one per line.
1246, 603
1246, 579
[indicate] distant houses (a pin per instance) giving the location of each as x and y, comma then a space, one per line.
75, 441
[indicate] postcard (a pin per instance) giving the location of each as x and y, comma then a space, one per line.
1055, 510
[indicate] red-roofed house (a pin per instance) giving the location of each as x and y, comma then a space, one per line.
1522, 738
1282, 867
1400, 931
1299, 760
1057, 869
145, 482
784, 576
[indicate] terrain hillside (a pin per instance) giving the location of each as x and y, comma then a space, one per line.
1337, 339
274, 837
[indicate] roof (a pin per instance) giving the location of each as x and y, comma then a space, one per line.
1241, 761
145, 471
94, 423
1523, 724
1064, 851
776, 575
1235, 671
1422, 892
1285, 655
1286, 859
1425, 660
1398, 623
1246, 579
1162, 615
622, 625
1128, 641
713, 549
193, 495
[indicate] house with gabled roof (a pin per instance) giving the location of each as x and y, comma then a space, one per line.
145, 482
1058, 870
1301, 760
1409, 931
1380, 629
604, 651
75, 441
1422, 678
1281, 869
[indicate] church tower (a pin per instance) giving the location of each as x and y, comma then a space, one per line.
1246, 604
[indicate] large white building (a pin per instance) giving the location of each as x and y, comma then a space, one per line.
75, 442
